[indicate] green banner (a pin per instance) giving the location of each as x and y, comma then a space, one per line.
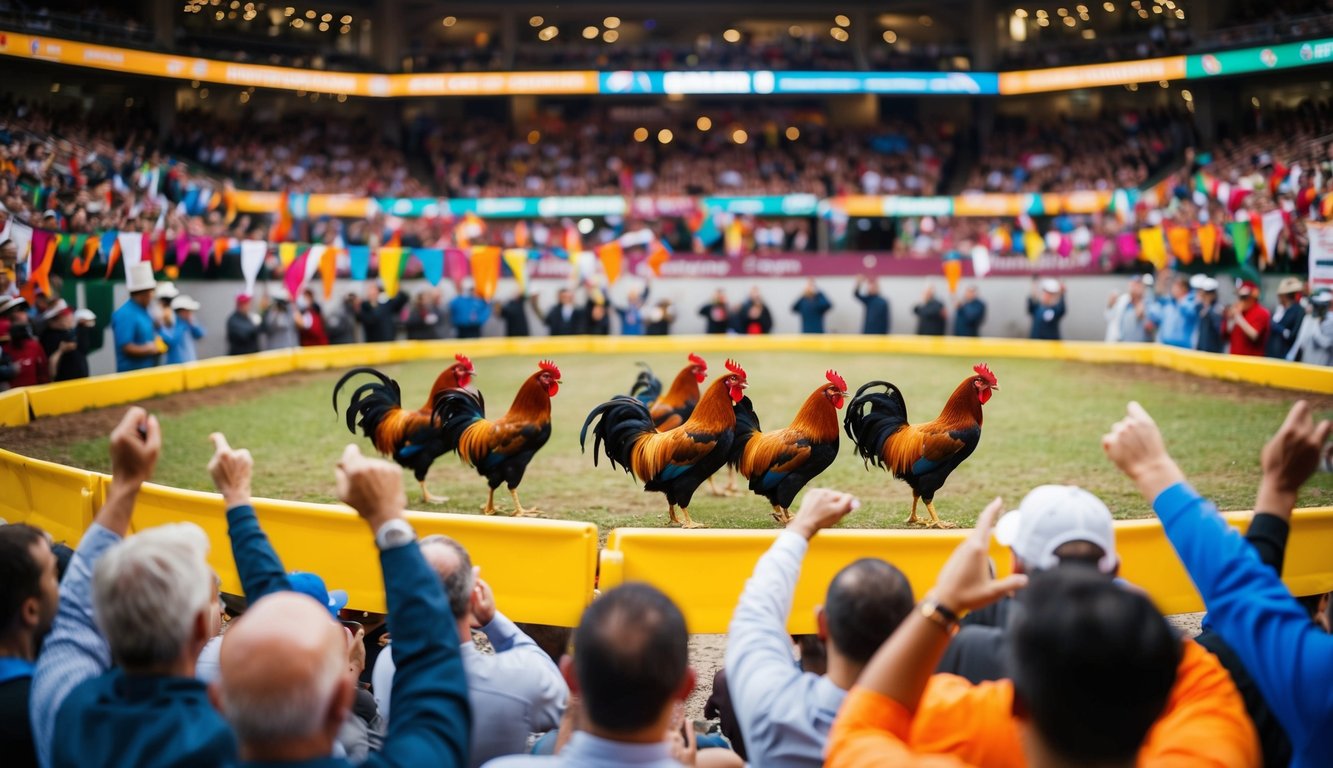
1272, 57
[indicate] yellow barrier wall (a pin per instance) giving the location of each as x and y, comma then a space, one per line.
55, 498
216, 371
101, 391
14, 408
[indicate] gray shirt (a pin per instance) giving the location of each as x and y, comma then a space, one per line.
587, 751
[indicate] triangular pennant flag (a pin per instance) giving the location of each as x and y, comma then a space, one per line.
220, 248
612, 255
328, 271
517, 261
253, 253
286, 254
1179, 239
456, 264
953, 271
1033, 244
41, 238
486, 270
1242, 240
294, 277
21, 234
44, 255
80, 266
1208, 243
1267, 229
980, 260
1152, 246
358, 261
131, 248
312, 262
432, 264
391, 265
659, 253
1096, 246
182, 249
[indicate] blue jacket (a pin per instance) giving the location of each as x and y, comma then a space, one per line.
131, 324
180, 339
1046, 320
969, 316
877, 313
1289, 657
1176, 320
469, 311
812, 310
1208, 336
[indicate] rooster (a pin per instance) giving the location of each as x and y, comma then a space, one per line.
779, 464
409, 436
672, 409
677, 461
922, 455
500, 450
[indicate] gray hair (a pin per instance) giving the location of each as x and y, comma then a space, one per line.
149, 589
458, 583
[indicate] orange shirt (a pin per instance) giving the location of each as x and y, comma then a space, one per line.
1204, 724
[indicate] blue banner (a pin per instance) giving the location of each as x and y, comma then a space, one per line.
765, 82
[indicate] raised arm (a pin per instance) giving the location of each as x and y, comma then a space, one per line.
257, 563
550, 693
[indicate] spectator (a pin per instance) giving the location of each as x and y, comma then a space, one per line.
425, 318
1127, 316
469, 312
753, 316
970, 314
243, 328
184, 331
812, 306
597, 321
1314, 341
631, 639
514, 313
285, 686
660, 318
1047, 306
632, 321
13, 308
65, 344
154, 595
1288, 656
716, 313
1247, 322
876, 320
340, 324
514, 692
165, 292
1209, 333
280, 321
378, 314
27, 355
1287, 316
930, 314
1177, 314
8, 368
565, 318
29, 594
310, 328
137, 344
785, 714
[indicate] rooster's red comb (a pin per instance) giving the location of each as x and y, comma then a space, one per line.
984, 372
836, 380
549, 367
736, 368
464, 361
699, 361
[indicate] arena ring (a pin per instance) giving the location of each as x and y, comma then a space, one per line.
546, 571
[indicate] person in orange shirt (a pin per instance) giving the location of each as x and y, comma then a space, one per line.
1099, 677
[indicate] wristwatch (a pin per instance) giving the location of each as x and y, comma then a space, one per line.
936, 612
394, 534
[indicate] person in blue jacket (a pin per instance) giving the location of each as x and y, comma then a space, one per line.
969, 314
1047, 306
812, 306
469, 312
877, 320
1289, 657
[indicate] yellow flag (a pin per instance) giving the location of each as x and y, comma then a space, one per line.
1034, 244
286, 254
517, 260
391, 261
1152, 246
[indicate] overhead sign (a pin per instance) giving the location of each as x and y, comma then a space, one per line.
1283, 56
1092, 75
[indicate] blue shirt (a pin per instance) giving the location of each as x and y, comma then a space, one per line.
583, 750
469, 311
877, 312
969, 316
131, 324
812, 309
1046, 320
784, 713
180, 341
1177, 320
1289, 657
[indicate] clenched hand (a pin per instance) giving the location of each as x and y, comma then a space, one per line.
231, 470
136, 442
374, 488
822, 508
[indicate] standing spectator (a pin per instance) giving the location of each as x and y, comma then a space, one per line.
469, 312
378, 314
970, 314
515, 691
310, 321
1047, 306
812, 306
1247, 322
340, 324
930, 314
876, 320
183, 331
660, 318
753, 316
1314, 341
631, 315
716, 313
8, 368
1209, 334
1127, 316
514, 313
565, 318
1287, 316
165, 293
29, 594
137, 344
1177, 314
26, 353
65, 342
425, 317
279, 323
243, 328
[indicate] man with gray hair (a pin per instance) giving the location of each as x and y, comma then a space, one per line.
515, 692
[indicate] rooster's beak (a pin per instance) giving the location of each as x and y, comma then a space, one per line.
995, 387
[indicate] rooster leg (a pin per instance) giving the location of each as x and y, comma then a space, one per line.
781, 515
688, 523
912, 520
935, 521
489, 507
429, 498
671, 510
713, 489
519, 511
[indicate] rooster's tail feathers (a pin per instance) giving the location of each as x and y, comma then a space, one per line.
647, 387
621, 423
873, 417
455, 411
747, 427
371, 401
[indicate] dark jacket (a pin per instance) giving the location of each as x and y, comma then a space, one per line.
877, 313
930, 318
969, 316
242, 334
812, 310
717, 318
73, 364
741, 322
558, 325
514, 313
1209, 330
1282, 333
379, 321
1046, 320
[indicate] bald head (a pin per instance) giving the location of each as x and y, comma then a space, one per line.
453, 565
284, 673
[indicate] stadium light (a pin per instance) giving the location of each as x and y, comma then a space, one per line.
534, 136
740, 136
640, 134
793, 133
326, 17
842, 20
890, 36
610, 35
704, 123
590, 33
1023, 14
585, 226
310, 15
611, 22
1109, 6
796, 30
732, 36
449, 21
665, 136
548, 33
536, 21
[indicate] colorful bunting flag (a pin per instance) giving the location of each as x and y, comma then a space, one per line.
328, 270
980, 260
294, 277
612, 255
253, 253
1267, 228
432, 264
390, 266
1179, 240
486, 270
1033, 244
358, 261
1208, 243
456, 265
131, 249
517, 261
1152, 246
953, 270
1242, 239
286, 254
659, 253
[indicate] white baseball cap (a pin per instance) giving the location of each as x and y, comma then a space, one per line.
1051, 516
185, 302
166, 290
1050, 286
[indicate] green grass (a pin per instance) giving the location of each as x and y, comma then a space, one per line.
1044, 426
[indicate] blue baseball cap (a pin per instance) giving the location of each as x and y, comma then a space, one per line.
311, 584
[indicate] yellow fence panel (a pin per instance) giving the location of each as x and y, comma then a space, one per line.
102, 391
216, 371
14, 408
541, 570
55, 498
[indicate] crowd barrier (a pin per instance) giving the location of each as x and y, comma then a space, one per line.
546, 571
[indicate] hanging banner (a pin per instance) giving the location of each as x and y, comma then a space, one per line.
391, 266
294, 276
658, 254
328, 271
1272, 224
253, 253
1152, 246
432, 264
1242, 239
21, 235
612, 256
1179, 239
286, 254
980, 260
457, 265
44, 246
517, 261
1321, 255
358, 261
953, 271
486, 269
1033, 245
1208, 243
80, 266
